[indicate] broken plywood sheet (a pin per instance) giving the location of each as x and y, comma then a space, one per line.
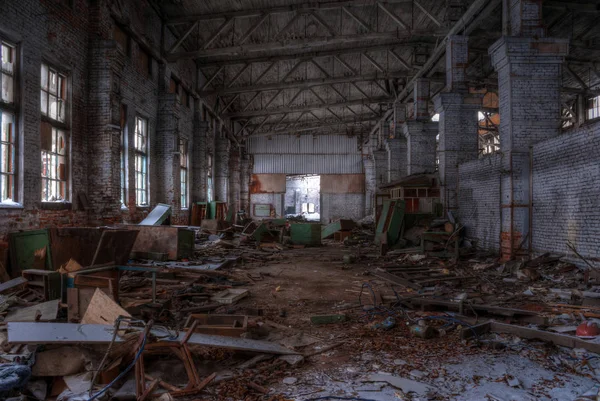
71, 333
157, 216
102, 310
114, 247
47, 311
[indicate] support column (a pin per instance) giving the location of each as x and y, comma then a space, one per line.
167, 184
529, 78
199, 159
458, 123
221, 170
380, 160
421, 133
396, 145
245, 183
234, 179
370, 184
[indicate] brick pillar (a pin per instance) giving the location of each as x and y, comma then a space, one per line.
234, 178
166, 157
370, 184
380, 159
420, 133
458, 124
396, 145
245, 183
221, 168
105, 132
529, 79
199, 159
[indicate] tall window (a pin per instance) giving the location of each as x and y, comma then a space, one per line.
54, 135
183, 171
7, 124
593, 108
209, 184
141, 161
123, 155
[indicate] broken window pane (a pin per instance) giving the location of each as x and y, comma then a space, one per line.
7, 156
141, 161
7, 88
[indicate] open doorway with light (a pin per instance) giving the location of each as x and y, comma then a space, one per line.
303, 196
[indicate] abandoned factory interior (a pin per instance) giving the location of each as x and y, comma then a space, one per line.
286, 200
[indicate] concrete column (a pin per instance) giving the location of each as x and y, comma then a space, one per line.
380, 159
199, 159
529, 78
221, 168
525, 18
458, 123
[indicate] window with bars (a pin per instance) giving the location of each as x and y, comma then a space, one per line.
54, 135
7, 123
141, 161
183, 172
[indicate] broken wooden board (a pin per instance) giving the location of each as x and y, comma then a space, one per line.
73, 333
529, 333
12, 284
115, 246
102, 310
44, 312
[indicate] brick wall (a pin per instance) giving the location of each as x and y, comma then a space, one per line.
479, 200
80, 42
566, 195
58, 35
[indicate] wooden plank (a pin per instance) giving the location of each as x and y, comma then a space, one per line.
43, 312
12, 284
396, 280
73, 304
555, 338
102, 310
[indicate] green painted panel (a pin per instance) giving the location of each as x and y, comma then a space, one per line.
23, 246
306, 234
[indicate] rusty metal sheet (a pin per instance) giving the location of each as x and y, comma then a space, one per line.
267, 183
343, 184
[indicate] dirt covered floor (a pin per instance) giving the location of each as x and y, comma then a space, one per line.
363, 359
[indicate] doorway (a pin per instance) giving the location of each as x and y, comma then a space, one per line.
303, 196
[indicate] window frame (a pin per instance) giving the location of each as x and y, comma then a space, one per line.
55, 127
184, 183
10, 108
141, 156
124, 157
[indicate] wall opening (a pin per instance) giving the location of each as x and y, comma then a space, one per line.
303, 196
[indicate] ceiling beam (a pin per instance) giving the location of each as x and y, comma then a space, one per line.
243, 59
299, 44
306, 84
363, 118
593, 7
475, 14
255, 12
268, 112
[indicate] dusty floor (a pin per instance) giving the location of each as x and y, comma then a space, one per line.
303, 282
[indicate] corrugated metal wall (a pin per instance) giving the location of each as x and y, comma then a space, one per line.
304, 144
288, 154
